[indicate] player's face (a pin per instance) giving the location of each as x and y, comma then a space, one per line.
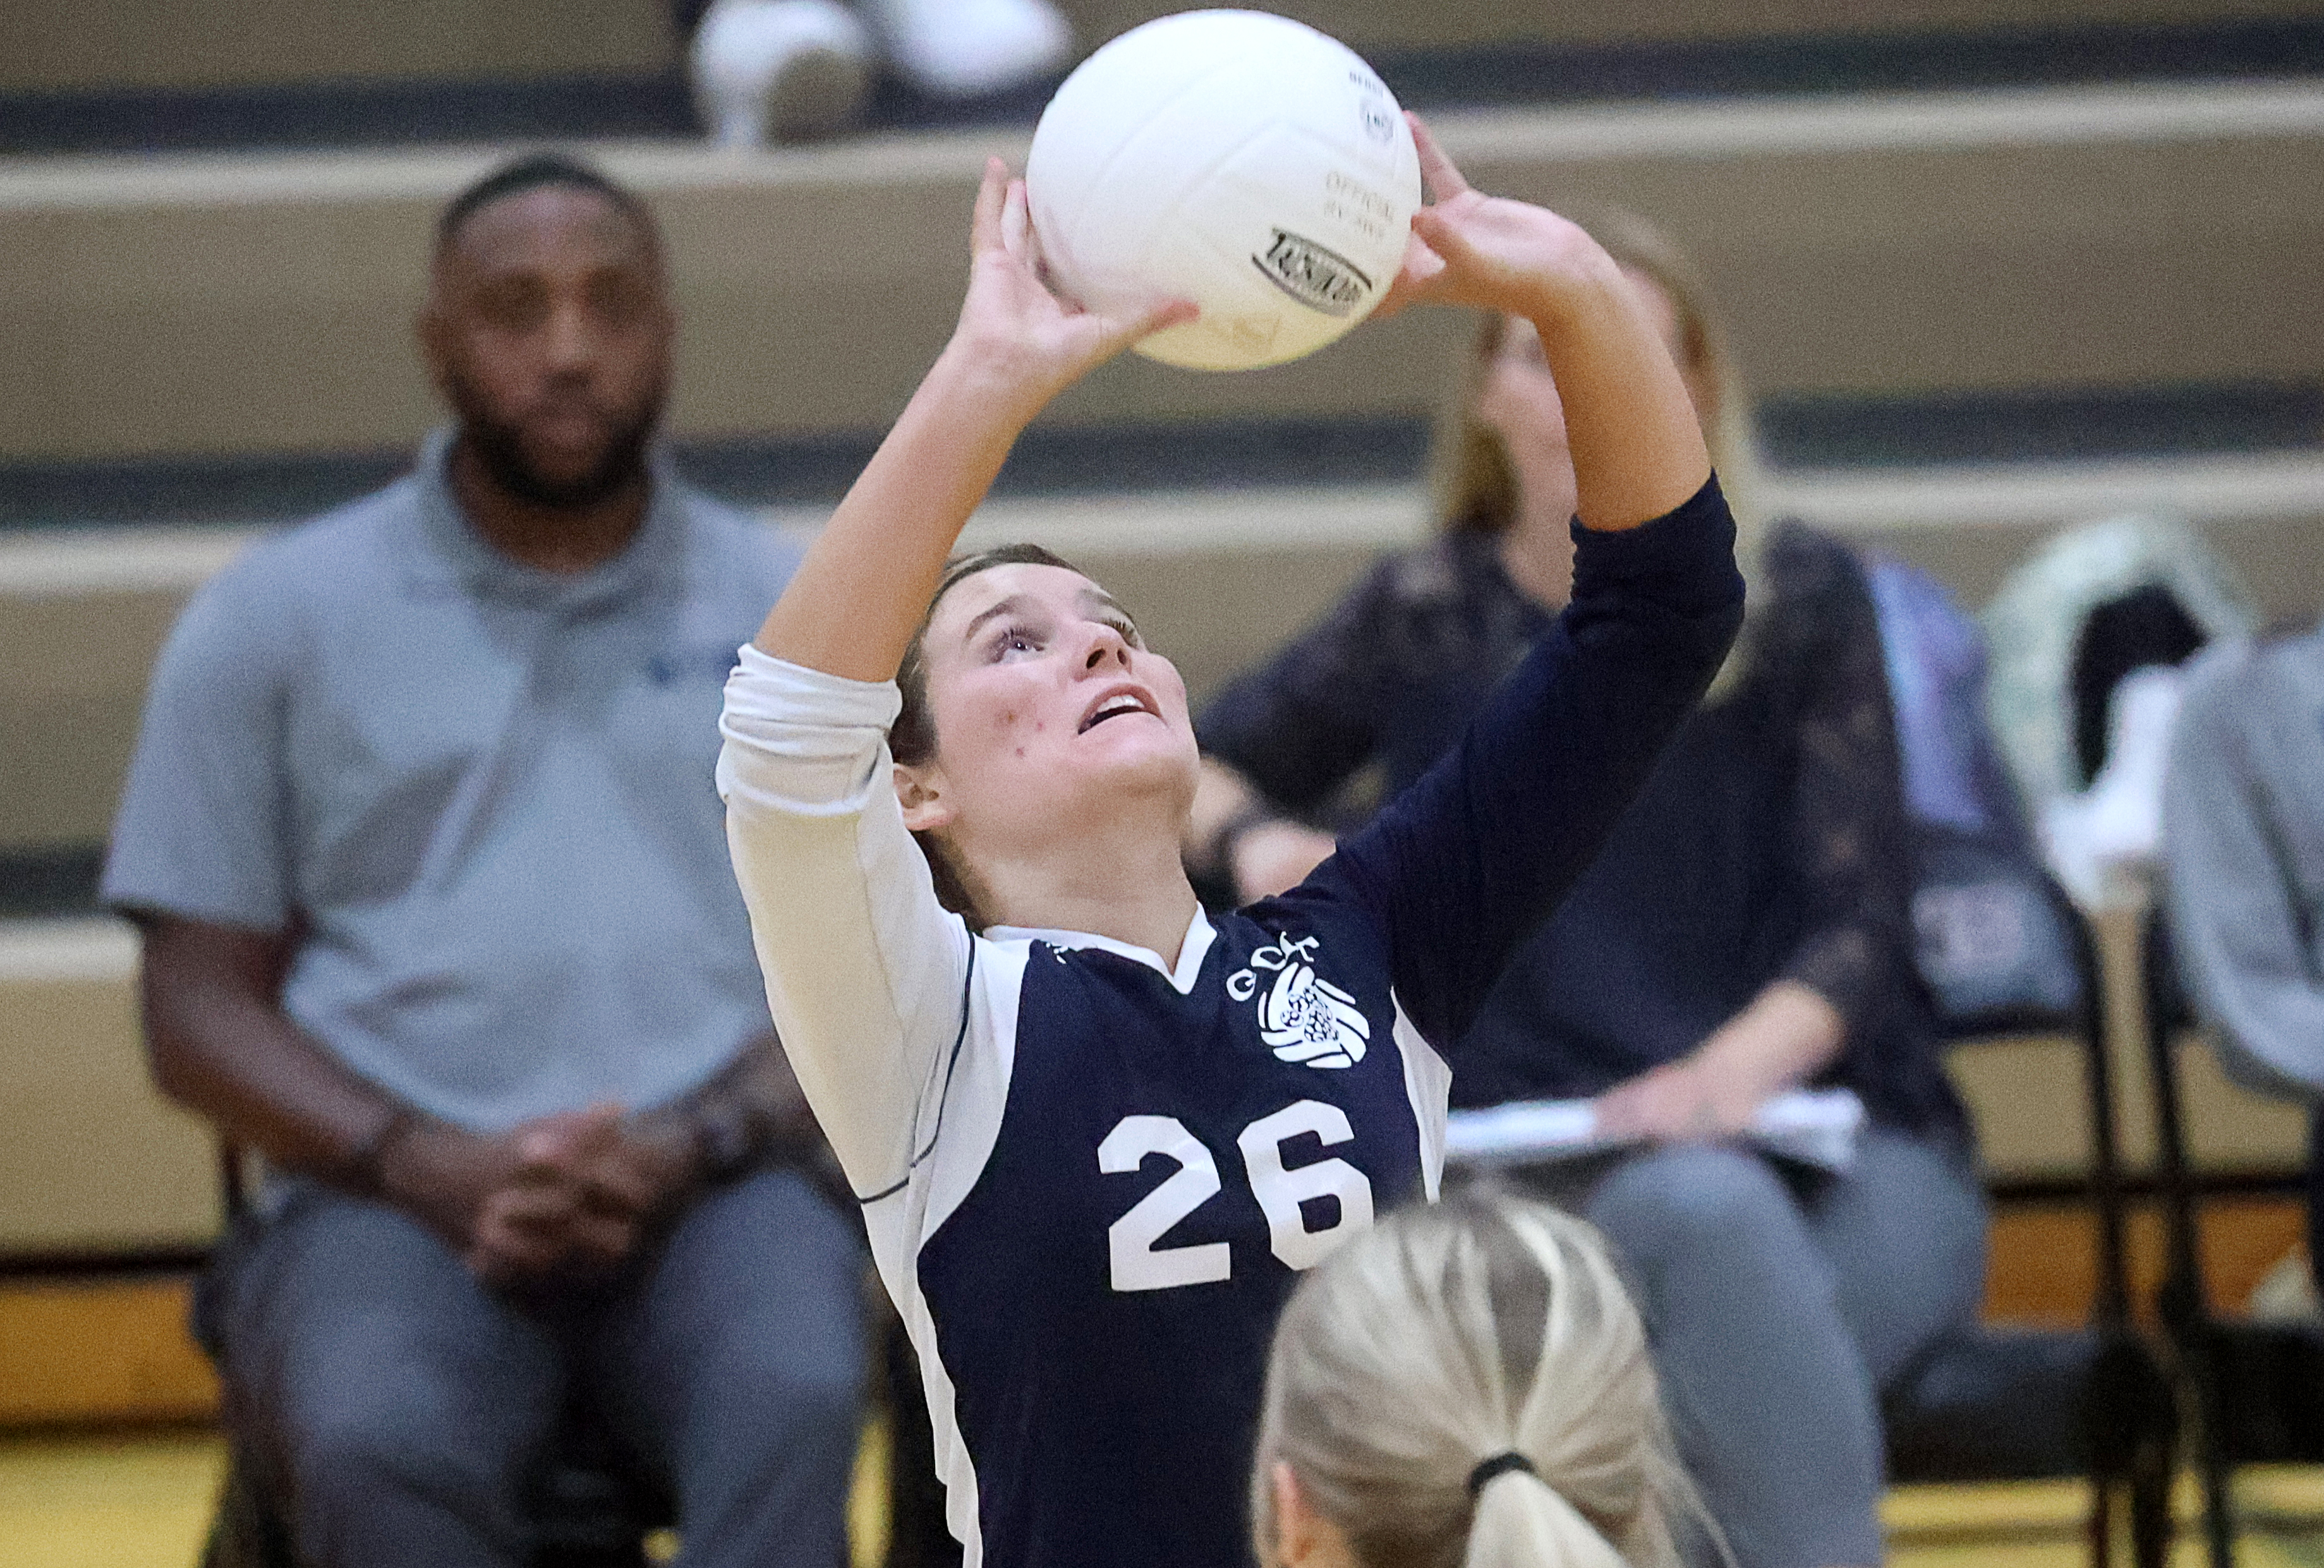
1051, 715
548, 329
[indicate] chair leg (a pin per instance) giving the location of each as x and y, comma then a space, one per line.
2151, 1477
246, 1532
2219, 1494
2100, 1526
2130, 1496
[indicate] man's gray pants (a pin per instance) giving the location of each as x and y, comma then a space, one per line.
1780, 1305
397, 1409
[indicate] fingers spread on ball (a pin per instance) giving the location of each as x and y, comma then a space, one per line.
1123, 331
1442, 236
1016, 221
1413, 278
985, 231
1442, 180
1168, 313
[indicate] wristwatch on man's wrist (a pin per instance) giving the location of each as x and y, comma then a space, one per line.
364, 1169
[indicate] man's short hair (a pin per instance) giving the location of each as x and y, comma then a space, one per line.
534, 172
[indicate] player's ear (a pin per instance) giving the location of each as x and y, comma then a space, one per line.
920, 792
1298, 1534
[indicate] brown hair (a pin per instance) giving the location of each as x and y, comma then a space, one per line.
912, 738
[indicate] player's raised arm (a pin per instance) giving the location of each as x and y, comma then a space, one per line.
1637, 450
855, 601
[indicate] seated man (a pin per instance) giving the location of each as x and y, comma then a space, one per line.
2243, 841
432, 876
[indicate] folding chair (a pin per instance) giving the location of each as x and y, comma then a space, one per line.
2002, 952
2258, 1388
588, 1505
2027, 1403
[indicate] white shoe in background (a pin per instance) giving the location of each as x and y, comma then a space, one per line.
779, 70
960, 48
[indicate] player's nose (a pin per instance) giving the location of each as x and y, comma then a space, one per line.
1107, 647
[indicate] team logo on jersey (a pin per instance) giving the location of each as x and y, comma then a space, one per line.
1302, 1016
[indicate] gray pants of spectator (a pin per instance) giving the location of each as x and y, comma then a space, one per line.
1779, 1306
397, 1408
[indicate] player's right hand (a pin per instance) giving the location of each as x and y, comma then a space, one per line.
1014, 331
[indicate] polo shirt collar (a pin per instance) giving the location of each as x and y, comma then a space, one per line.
454, 557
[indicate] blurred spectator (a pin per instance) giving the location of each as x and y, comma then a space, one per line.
1745, 931
433, 883
2086, 638
788, 70
2243, 850
1467, 1383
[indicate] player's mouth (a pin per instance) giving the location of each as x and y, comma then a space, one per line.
1116, 702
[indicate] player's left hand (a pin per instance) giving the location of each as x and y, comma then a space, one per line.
1680, 1101
1487, 251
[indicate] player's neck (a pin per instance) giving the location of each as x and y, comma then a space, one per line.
1130, 885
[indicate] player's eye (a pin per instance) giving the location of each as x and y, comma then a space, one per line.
1011, 641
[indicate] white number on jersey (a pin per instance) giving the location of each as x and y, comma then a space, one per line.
1280, 1192
1138, 1264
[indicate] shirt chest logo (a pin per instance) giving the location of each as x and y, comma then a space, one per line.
1304, 1018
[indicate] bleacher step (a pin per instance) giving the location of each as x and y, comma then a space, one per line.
1862, 245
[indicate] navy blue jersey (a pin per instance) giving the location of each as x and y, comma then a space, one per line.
1090, 1176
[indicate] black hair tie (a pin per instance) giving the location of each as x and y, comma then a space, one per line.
1499, 1464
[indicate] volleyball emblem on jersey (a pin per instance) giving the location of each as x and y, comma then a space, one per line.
1302, 1016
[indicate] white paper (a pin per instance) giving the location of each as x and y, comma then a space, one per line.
1815, 1127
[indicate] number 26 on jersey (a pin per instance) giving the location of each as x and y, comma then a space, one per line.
1138, 1263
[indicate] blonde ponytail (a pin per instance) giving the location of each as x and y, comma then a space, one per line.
1483, 1331
1521, 1521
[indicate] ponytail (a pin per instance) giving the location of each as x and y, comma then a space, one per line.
1526, 1427
1521, 1521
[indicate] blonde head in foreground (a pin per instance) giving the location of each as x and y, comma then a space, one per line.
1449, 1336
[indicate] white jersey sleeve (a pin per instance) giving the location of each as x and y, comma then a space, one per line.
866, 973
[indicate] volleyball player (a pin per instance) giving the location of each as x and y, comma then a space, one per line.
1467, 1384
1096, 1135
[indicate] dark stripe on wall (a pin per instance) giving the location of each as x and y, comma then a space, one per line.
369, 113
2039, 424
52, 881
2223, 417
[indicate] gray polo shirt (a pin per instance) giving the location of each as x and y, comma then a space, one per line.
483, 792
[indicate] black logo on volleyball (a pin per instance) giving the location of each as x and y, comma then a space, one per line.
1316, 276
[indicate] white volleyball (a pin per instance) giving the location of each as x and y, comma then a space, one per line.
1241, 161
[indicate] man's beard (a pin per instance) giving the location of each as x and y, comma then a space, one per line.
499, 447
